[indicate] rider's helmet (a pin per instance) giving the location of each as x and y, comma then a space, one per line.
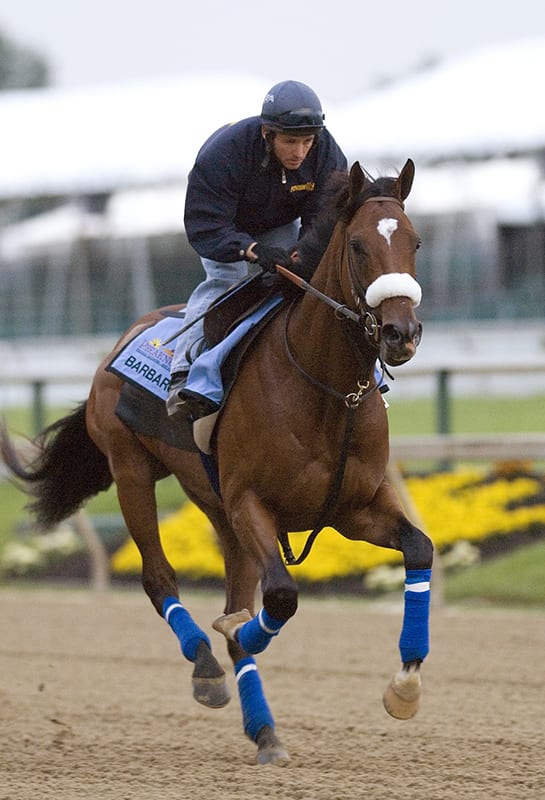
292, 107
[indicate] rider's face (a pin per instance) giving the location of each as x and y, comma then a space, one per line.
291, 150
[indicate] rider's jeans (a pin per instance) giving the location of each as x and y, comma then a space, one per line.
219, 278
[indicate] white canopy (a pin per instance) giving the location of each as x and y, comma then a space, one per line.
488, 103
101, 139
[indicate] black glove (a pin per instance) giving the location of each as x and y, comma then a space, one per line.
269, 257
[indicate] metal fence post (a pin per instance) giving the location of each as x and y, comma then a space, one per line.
38, 413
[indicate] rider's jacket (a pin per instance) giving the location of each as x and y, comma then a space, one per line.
237, 190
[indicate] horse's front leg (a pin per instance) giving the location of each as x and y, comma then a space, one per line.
383, 523
402, 696
257, 532
247, 634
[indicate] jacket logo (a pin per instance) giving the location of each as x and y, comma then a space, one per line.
303, 187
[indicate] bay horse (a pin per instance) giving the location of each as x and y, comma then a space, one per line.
301, 442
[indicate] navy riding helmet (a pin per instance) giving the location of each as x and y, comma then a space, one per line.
292, 107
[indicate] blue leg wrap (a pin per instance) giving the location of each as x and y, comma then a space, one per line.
255, 710
414, 640
255, 635
187, 631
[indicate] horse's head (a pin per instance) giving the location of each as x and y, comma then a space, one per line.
379, 266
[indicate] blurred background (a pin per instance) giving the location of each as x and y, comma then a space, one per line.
103, 107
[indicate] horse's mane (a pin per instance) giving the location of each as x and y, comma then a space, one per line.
336, 205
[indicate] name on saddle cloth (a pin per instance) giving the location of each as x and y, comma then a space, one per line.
145, 360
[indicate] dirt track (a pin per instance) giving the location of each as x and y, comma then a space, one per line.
96, 703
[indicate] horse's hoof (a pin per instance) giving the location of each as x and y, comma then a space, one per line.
402, 696
208, 679
228, 624
269, 749
211, 692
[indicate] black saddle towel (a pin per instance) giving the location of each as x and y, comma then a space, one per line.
143, 412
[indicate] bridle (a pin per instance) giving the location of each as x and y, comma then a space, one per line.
364, 319
353, 400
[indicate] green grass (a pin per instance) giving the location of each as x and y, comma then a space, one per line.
468, 415
512, 579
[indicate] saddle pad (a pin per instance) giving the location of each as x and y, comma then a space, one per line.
144, 365
145, 361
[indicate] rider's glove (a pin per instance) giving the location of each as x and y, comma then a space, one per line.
269, 257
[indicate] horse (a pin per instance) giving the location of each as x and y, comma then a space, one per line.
301, 442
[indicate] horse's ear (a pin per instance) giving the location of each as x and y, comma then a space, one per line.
356, 181
405, 181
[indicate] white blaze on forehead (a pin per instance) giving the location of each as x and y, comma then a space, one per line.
386, 227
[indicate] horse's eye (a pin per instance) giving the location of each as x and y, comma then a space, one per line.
356, 247
418, 244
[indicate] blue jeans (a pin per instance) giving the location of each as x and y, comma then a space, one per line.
219, 278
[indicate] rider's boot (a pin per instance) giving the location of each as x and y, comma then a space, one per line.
182, 401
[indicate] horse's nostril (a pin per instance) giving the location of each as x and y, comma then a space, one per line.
391, 334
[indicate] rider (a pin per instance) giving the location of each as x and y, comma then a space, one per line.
256, 184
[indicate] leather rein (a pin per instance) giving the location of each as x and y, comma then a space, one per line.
352, 400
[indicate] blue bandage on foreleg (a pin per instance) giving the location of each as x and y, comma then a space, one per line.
187, 631
255, 710
255, 635
414, 640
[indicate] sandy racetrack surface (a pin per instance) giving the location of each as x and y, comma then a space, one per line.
96, 703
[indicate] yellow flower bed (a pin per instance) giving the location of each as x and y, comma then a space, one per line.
452, 505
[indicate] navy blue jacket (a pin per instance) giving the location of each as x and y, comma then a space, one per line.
235, 192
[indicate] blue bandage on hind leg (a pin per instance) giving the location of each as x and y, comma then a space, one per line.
187, 631
255, 710
255, 635
414, 640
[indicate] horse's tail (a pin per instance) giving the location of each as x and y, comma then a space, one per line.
66, 468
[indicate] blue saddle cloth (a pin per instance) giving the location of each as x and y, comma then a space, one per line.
145, 361
144, 365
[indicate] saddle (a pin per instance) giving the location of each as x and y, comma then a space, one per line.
144, 412
239, 302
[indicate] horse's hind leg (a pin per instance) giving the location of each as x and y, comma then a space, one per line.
135, 472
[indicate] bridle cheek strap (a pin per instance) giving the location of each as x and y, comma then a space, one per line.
393, 284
